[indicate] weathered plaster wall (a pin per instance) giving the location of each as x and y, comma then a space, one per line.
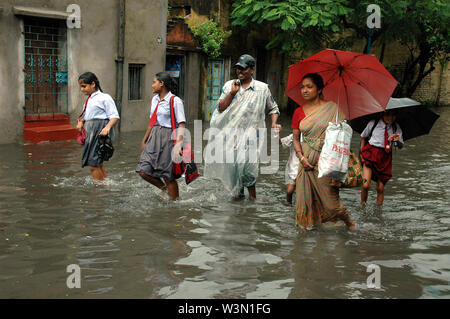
93, 47
192, 81
146, 21
12, 98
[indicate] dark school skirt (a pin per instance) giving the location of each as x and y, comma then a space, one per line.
379, 161
156, 159
93, 129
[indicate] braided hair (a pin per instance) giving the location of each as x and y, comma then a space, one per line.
88, 78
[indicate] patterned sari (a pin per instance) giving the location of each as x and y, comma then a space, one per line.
317, 201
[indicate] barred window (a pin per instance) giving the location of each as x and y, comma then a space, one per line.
135, 76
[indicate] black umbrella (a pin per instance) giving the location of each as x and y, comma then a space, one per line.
413, 118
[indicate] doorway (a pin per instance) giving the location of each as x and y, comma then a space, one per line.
46, 89
214, 84
175, 66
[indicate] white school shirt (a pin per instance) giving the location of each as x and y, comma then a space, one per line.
101, 106
377, 138
163, 114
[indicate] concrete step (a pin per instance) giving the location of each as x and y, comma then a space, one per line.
50, 133
46, 120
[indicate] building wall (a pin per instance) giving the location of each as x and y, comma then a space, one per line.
428, 90
146, 21
93, 47
192, 81
11, 76
194, 12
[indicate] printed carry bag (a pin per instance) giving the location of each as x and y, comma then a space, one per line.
333, 160
354, 173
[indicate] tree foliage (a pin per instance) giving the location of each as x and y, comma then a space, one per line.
421, 25
297, 24
211, 36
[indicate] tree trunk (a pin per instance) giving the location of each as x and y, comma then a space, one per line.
423, 60
443, 64
383, 47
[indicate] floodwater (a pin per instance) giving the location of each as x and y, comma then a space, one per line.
131, 242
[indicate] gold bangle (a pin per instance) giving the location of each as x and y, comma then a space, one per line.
302, 158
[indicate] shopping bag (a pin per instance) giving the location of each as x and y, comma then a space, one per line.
354, 174
81, 136
333, 160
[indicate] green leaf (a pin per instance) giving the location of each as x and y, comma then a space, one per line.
270, 14
292, 22
287, 46
285, 25
326, 22
259, 6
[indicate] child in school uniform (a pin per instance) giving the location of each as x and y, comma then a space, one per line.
156, 164
291, 170
377, 141
98, 118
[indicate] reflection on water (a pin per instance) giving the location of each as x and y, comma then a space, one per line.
131, 241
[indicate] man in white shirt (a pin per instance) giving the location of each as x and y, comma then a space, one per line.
243, 105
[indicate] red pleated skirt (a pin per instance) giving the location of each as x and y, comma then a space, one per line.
379, 161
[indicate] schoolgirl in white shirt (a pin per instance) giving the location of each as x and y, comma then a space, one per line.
376, 153
155, 164
98, 118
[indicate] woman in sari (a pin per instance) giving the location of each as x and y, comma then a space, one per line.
317, 200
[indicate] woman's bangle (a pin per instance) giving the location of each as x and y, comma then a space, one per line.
302, 158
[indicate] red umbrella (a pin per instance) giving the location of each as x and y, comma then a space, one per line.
357, 82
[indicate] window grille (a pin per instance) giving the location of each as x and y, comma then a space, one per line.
135, 76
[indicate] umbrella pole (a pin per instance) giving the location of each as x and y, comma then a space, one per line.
339, 98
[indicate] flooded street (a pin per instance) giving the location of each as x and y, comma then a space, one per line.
131, 242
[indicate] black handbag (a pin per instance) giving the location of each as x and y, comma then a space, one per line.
104, 148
